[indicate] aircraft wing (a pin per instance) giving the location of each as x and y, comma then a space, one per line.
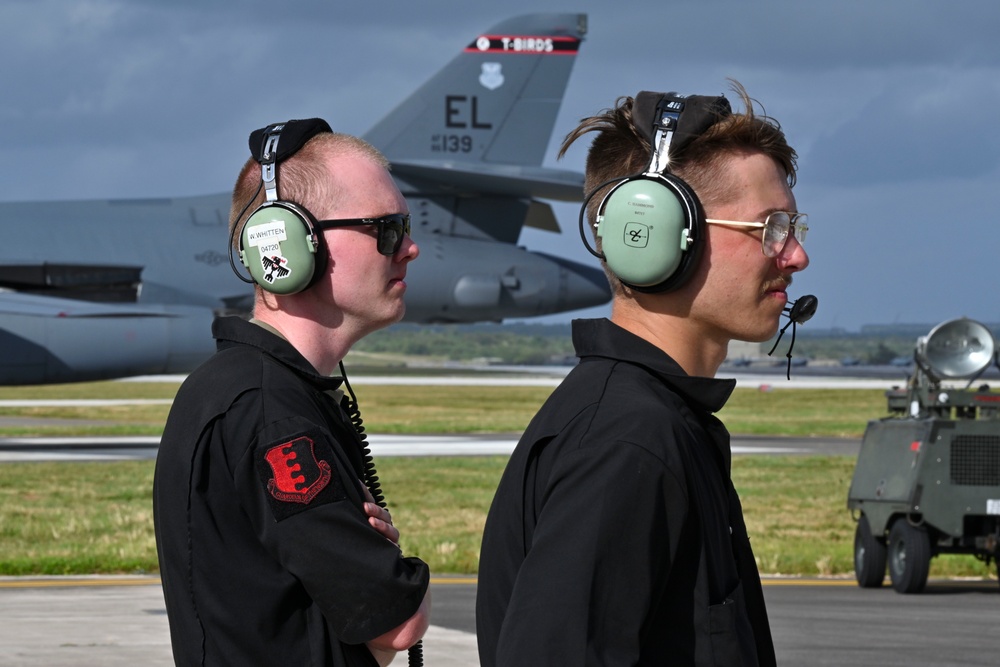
52, 340
470, 178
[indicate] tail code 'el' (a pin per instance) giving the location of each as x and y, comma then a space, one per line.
495, 102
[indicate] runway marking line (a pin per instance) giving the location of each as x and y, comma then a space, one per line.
31, 582
72, 582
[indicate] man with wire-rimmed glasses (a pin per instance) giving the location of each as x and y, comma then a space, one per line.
616, 536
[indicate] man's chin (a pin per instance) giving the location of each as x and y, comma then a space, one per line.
760, 335
398, 315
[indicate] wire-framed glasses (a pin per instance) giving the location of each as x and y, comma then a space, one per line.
776, 228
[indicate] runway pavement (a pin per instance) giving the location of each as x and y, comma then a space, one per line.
119, 621
122, 621
110, 448
756, 377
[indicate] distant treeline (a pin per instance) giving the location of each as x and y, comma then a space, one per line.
529, 344
535, 344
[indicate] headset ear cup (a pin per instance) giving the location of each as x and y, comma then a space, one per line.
650, 230
278, 246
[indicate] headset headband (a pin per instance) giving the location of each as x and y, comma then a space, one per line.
268, 164
294, 133
265, 148
671, 121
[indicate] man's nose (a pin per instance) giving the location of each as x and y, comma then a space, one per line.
793, 257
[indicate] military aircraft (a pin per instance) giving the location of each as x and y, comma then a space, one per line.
105, 289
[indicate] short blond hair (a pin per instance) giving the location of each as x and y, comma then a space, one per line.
303, 178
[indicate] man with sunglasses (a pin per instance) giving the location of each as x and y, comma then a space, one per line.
273, 551
616, 536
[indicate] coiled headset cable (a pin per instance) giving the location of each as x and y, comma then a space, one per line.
415, 654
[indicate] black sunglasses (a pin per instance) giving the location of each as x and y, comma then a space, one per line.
391, 229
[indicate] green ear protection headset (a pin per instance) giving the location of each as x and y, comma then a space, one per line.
279, 244
651, 225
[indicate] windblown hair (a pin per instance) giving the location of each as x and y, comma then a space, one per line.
620, 150
303, 178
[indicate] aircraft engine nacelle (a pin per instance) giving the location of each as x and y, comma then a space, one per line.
73, 341
472, 280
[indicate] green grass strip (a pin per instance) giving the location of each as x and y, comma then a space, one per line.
82, 518
442, 409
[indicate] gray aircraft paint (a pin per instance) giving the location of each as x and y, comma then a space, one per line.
103, 289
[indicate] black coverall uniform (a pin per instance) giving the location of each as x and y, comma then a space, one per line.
615, 536
266, 554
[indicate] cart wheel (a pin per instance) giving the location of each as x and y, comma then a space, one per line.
909, 557
869, 556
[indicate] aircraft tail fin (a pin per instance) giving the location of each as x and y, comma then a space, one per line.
496, 102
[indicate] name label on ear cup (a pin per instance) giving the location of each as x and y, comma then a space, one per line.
267, 236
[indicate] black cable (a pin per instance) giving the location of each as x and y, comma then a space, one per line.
788, 371
799, 312
232, 235
415, 654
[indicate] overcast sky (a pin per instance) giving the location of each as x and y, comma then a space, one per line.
893, 106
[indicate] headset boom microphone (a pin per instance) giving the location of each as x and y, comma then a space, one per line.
799, 312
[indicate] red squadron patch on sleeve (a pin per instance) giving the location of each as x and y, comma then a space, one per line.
296, 474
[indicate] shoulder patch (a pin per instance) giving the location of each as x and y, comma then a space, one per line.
298, 473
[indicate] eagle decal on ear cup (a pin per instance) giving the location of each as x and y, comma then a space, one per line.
275, 266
